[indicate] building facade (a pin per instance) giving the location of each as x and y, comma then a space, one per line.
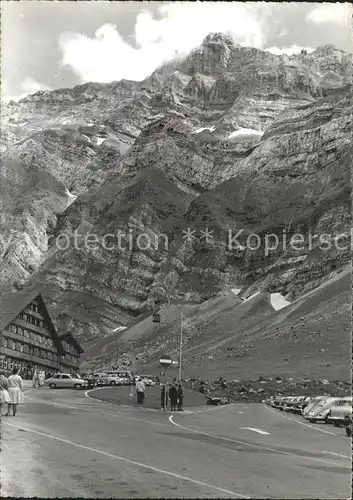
29, 339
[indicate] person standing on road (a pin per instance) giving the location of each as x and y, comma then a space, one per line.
35, 378
164, 397
173, 396
140, 391
41, 378
180, 397
4, 395
15, 391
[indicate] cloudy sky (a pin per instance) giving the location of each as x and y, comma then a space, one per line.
49, 45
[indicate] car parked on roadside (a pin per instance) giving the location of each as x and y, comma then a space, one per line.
321, 411
301, 404
290, 403
111, 379
341, 411
66, 381
314, 401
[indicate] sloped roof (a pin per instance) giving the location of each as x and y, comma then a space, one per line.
13, 303
69, 334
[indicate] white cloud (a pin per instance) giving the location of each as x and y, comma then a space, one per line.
294, 49
331, 13
28, 86
182, 27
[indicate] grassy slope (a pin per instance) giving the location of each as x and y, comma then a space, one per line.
311, 337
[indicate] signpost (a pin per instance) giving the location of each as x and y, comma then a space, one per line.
165, 363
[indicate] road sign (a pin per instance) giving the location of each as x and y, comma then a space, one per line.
165, 362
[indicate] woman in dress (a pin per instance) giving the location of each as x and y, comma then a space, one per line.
15, 391
35, 378
4, 395
41, 377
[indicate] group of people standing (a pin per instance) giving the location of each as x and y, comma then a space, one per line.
11, 391
38, 378
175, 394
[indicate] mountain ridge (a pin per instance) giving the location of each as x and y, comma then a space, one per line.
157, 157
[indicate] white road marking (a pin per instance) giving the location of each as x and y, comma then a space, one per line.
259, 431
251, 445
337, 454
301, 423
241, 413
131, 462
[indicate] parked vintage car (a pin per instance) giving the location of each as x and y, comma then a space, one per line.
111, 379
341, 411
301, 404
320, 411
65, 380
313, 402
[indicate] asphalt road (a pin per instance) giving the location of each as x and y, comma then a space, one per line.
63, 444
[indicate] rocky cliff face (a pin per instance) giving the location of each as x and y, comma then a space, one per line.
230, 138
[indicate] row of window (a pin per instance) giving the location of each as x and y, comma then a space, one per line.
68, 347
28, 334
70, 357
29, 349
26, 367
33, 307
32, 319
36, 351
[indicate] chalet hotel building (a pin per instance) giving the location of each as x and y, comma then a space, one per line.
29, 339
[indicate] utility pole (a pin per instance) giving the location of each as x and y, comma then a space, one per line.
133, 369
181, 342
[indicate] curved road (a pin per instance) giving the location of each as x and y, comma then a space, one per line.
65, 444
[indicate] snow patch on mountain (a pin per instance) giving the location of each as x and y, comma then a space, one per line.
278, 301
100, 140
71, 197
244, 133
211, 129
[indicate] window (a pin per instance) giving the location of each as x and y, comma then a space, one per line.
26, 348
4, 342
14, 328
21, 316
20, 330
13, 344
65, 376
21, 347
